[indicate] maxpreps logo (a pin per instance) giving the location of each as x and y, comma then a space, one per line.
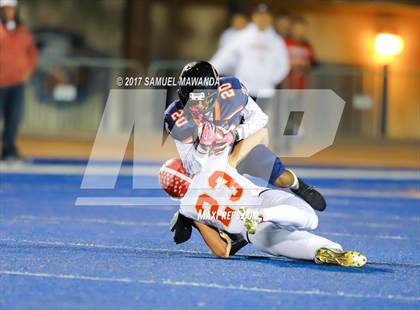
227, 214
209, 215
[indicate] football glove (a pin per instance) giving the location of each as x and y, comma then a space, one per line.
182, 227
205, 137
223, 139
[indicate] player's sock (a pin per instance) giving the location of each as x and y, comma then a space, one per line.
295, 184
289, 216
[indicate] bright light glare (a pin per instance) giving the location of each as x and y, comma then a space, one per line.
387, 44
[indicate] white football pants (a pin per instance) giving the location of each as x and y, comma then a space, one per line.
286, 231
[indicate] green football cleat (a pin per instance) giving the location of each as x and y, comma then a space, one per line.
342, 258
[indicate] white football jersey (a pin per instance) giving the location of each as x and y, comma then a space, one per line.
217, 193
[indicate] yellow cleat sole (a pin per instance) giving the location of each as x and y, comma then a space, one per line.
341, 258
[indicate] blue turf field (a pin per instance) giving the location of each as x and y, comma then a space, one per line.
54, 254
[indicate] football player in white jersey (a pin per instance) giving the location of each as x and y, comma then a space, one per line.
220, 202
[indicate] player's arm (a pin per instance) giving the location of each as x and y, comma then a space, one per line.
218, 242
254, 120
243, 147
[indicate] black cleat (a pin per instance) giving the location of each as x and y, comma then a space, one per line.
310, 195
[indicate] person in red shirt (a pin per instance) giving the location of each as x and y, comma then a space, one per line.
18, 56
301, 53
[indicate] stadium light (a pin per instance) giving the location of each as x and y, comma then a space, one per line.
387, 45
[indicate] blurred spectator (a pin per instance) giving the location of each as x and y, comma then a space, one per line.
283, 25
62, 85
17, 62
238, 22
258, 56
302, 55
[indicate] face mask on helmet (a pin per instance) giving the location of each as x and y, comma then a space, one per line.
201, 102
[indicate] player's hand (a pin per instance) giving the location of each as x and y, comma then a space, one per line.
206, 137
223, 139
182, 227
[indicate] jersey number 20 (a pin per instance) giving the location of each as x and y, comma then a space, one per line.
226, 91
179, 118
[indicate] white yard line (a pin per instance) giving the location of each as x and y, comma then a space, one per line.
125, 201
358, 173
349, 201
367, 193
165, 201
92, 246
74, 169
56, 220
152, 170
241, 287
61, 219
358, 218
82, 245
352, 235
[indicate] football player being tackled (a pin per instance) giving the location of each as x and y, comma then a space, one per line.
230, 211
217, 129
